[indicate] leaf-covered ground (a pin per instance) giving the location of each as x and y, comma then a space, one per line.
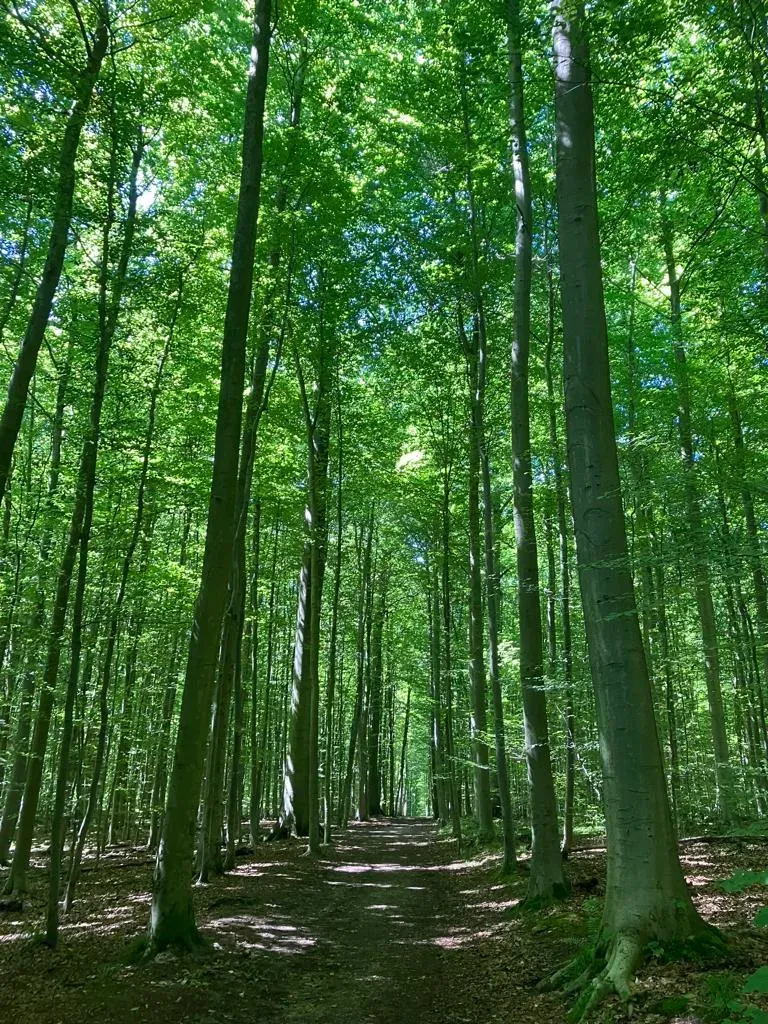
390, 926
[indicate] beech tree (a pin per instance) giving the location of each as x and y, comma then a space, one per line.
646, 895
324, 390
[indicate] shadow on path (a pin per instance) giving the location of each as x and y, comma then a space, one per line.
387, 926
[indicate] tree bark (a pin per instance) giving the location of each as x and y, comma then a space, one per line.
646, 894
331, 684
172, 916
701, 575
546, 876
24, 368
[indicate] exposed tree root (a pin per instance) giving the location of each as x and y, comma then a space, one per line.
608, 968
615, 977
607, 972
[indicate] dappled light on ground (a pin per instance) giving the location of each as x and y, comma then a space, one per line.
388, 926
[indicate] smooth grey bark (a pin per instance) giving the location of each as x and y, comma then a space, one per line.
24, 368
365, 540
300, 782
492, 591
441, 797
330, 690
172, 920
646, 894
378, 616
477, 682
561, 506
445, 585
400, 801
260, 761
362, 725
546, 877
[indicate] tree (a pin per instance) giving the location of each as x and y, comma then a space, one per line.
96, 43
646, 895
172, 918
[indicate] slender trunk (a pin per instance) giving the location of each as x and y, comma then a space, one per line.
377, 669
477, 694
331, 686
400, 800
436, 668
445, 583
160, 777
546, 877
364, 564
172, 915
24, 368
701, 573
109, 307
15, 787
492, 599
261, 763
114, 620
362, 731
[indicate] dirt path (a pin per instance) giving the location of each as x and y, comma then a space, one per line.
389, 923
389, 926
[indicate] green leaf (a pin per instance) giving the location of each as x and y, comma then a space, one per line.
761, 918
741, 880
757, 982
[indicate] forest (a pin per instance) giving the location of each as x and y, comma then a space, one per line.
384, 511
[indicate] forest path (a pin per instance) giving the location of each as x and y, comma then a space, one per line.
388, 919
388, 926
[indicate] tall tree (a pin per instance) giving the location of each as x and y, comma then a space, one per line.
96, 43
646, 895
172, 921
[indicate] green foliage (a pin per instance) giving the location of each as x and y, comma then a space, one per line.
670, 1006
721, 994
757, 982
724, 993
741, 880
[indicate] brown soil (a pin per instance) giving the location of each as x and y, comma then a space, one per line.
389, 926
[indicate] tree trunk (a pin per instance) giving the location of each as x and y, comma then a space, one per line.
546, 877
331, 685
445, 583
113, 625
701, 575
646, 894
16, 781
477, 694
172, 916
109, 308
23, 371
364, 564
377, 667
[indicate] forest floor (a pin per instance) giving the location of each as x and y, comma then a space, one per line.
390, 926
